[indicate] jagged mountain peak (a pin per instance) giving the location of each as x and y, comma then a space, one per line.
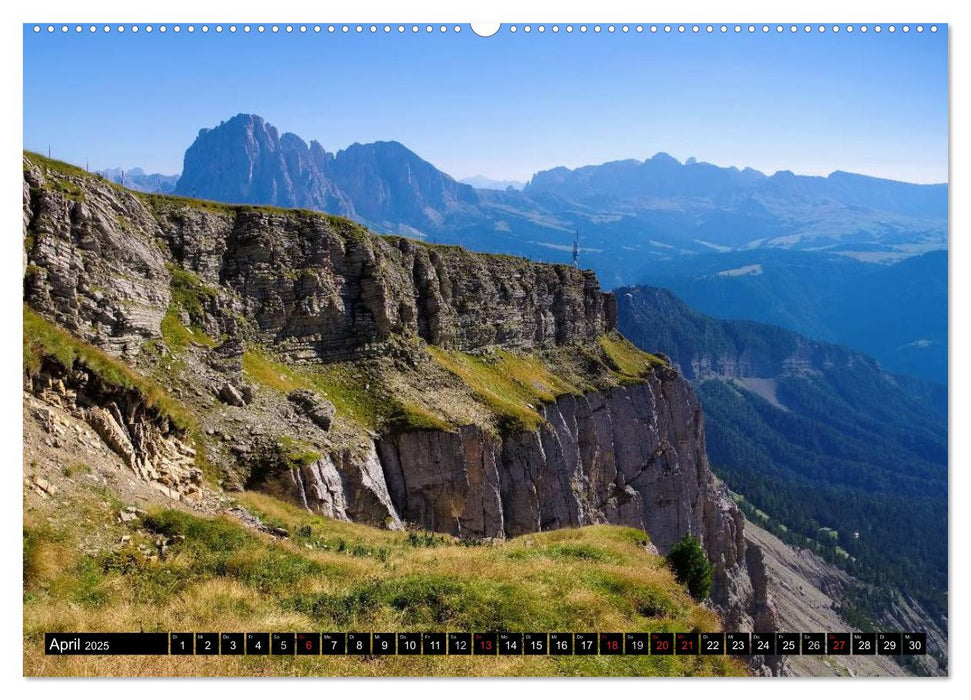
391, 147
240, 122
384, 184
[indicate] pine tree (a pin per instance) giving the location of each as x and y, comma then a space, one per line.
691, 566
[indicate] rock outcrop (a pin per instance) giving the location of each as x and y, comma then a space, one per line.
319, 410
344, 485
146, 441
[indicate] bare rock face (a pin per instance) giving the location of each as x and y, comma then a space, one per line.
229, 394
93, 265
632, 456
342, 484
112, 433
445, 481
317, 487
246, 160
368, 500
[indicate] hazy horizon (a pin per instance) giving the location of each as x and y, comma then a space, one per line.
487, 176
507, 106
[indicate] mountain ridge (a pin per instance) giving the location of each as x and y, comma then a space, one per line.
896, 313
662, 174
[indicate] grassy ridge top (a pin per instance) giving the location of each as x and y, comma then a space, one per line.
514, 385
341, 576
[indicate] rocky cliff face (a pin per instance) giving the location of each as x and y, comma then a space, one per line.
579, 467
608, 440
247, 160
320, 288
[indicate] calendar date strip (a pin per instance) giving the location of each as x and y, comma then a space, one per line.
484, 643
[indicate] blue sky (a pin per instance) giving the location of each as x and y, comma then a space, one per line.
508, 105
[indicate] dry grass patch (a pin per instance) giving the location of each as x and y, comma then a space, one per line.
358, 393
332, 575
511, 386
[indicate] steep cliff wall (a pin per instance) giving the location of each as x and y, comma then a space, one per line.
473, 394
632, 455
321, 288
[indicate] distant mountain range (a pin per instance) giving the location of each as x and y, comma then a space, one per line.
628, 213
826, 448
897, 313
661, 180
481, 182
138, 179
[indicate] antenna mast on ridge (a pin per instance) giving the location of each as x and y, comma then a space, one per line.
576, 250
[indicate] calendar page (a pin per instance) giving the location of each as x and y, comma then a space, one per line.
512, 349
